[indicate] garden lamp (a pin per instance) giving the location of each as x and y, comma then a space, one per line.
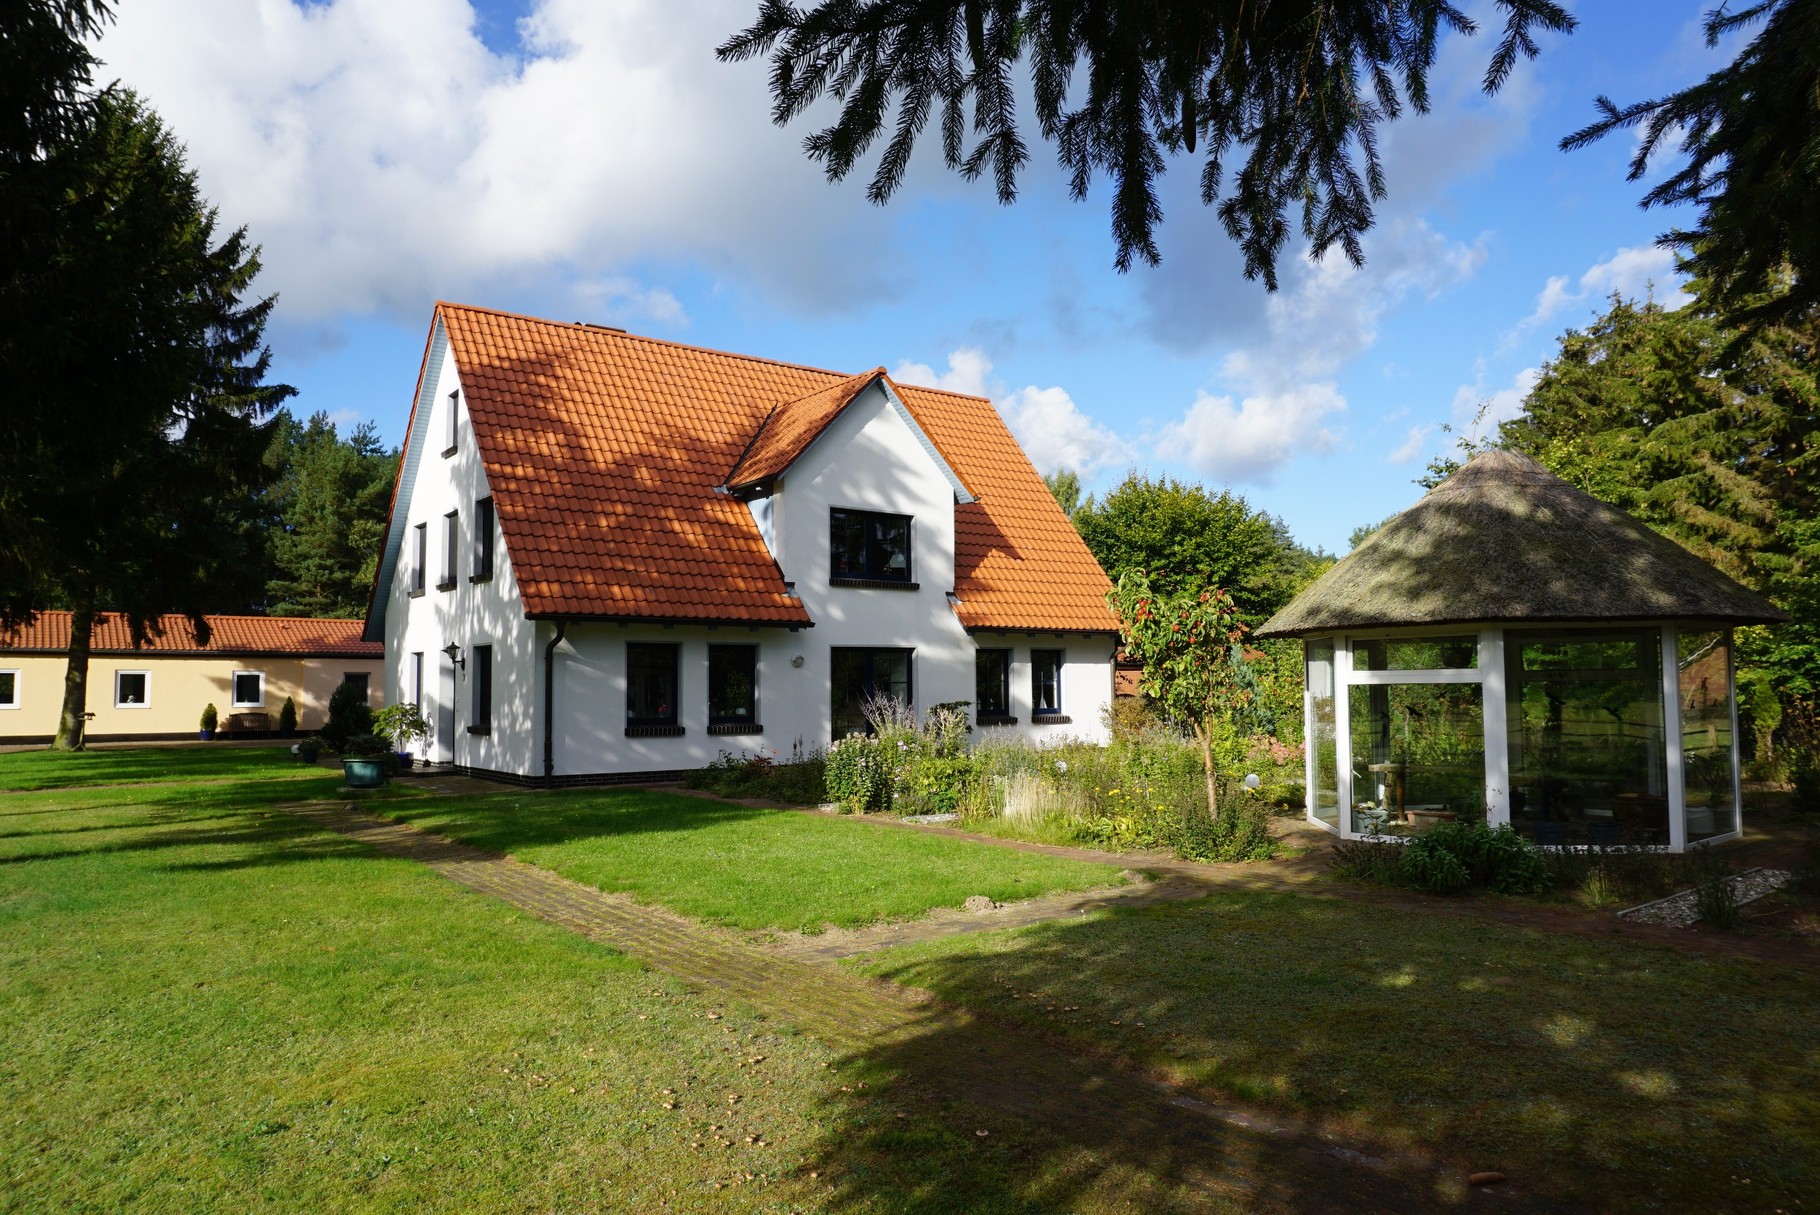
455, 658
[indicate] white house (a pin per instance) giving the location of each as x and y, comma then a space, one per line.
610, 557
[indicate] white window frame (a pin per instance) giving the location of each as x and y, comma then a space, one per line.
234, 691
120, 704
18, 679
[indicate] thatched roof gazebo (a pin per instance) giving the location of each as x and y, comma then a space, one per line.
1514, 649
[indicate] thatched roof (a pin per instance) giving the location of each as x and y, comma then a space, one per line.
1505, 539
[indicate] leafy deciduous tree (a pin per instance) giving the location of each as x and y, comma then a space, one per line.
1065, 484
1304, 85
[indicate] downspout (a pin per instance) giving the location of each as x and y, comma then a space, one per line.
549, 699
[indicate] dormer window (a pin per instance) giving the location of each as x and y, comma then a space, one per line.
868, 547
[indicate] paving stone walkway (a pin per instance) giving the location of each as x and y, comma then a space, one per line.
1262, 1161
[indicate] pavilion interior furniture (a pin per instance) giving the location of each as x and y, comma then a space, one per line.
1512, 650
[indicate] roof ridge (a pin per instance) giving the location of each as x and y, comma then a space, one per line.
946, 392
573, 326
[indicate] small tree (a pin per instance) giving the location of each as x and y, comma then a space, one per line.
349, 717
1194, 664
403, 724
287, 716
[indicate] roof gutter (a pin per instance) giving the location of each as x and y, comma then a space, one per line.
549, 699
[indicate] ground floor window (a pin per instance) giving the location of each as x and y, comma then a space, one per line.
361, 680
9, 689
417, 679
482, 685
1322, 741
132, 689
861, 676
1045, 683
249, 689
650, 684
992, 683
1704, 662
732, 685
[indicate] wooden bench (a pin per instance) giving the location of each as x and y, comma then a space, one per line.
248, 723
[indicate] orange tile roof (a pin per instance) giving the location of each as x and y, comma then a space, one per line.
299, 636
606, 453
789, 429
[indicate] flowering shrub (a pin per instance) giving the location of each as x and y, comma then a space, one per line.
860, 772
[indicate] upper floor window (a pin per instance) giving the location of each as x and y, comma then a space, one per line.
869, 545
451, 536
483, 540
452, 423
420, 557
1045, 683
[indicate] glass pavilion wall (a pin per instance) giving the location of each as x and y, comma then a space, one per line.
1572, 735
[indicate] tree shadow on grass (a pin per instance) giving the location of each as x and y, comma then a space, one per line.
512, 822
1064, 1133
1617, 1075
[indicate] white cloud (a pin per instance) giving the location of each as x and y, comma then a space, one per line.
620, 297
1633, 272
1411, 447
1477, 413
384, 156
1280, 399
1046, 422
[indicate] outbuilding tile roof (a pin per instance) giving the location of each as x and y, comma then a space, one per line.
298, 636
607, 454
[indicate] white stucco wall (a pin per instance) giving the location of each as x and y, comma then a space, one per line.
469, 614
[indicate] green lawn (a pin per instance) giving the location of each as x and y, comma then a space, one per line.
113, 766
210, 1006
746, 867
1619, 1076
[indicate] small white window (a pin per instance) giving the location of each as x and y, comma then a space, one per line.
249, 689
9, 689
453, 421
132, 689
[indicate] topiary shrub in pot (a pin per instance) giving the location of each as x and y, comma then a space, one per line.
349, 717
210, 718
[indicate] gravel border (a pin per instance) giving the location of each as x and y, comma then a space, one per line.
1682, 910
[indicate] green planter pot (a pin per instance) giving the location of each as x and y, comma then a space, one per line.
363, 773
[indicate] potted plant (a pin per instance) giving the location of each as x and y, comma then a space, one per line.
287, 718
403, 724
364, 761
209, 719
307, 750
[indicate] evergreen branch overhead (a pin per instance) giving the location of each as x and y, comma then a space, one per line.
1301, 86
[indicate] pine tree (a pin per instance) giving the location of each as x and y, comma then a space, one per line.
329, 512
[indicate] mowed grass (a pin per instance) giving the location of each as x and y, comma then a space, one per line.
1617, 1076
210, 1006
27, 770
749, 868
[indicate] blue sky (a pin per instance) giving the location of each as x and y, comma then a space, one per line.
591, 161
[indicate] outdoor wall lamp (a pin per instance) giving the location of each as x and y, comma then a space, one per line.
455, 658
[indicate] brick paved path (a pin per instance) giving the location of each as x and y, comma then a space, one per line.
1118, 1115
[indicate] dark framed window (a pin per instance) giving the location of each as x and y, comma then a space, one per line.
733, 686
420, 558
1046, 683
868, 545
992, 685
483, 540
361, 680
451, 537
480, 682
417, 679
650, 685
452, 423
859, 676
